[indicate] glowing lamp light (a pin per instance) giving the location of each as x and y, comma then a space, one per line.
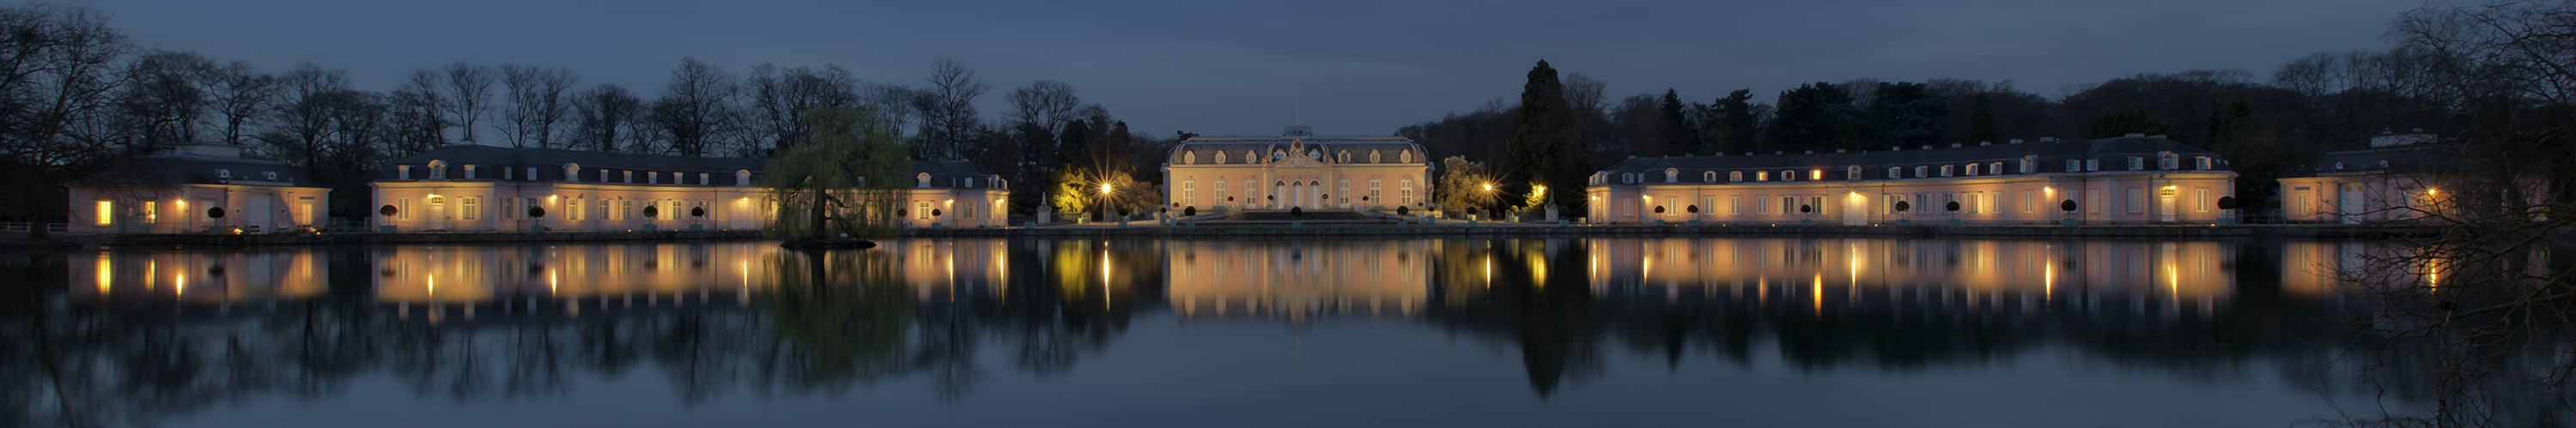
1489, 187
1104, 189
2432, 191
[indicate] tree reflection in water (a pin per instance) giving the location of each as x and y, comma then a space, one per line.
744, 319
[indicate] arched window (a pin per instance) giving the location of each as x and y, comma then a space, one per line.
922, 180
1344, 157
1374, 158
572, 172
1852, 174
1405, 156
437, 170
1220, 157
742, 177
1189, 157
1249, 158
1710, 177
1734, 176
1672, 175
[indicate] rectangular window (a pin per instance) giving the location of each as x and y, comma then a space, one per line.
1788, 204
1972, 170
509, 206
1707, 204
2091, 165
1921, 172
1945, 170
152, 211
1818, 202
1374, 197
106, 212
1733, 175
1220, 192
2137, 163
402, 208
578, 210
2026, 196
1670, 209
1922, 203
1892, 199
1761, 204
625, 209
920, 210
532, 174
1407, 189
1734, 205
2093, 201
1972, 203
2200, 199
2137, 200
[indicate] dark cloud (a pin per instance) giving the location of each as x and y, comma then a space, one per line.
1361, 67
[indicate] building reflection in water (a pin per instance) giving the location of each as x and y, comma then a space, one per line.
199, 277
1894, 302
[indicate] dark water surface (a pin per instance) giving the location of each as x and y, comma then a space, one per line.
1431, 332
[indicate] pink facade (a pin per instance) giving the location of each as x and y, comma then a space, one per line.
1296, 171
198, 188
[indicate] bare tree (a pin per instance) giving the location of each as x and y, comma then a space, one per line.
537, 106
56, 66
469, 89
165, 95
947, 108
241, 96
416, 114
606, 120
696, 109
779, 96
1046, 103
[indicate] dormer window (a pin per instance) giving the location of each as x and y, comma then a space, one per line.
1249, 158
1787, 175
2338, 166
2200, 163
1672, 175
271, 175
2137, 163
1404, 156
1852, 173
1996, 168
532, 174
1374, 158
1922, 171
2029, 164
1972, 170
402, 172
1945, 170
1895, 172
1762, 176
2091, 165
702, 179
1344, 157
469, 172
626, 176
1189, 157
742, 177
922, 180
2074, 166
1710, 177
437, 170
1735, 176
227, 174
572, 172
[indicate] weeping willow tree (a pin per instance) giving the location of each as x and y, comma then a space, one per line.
844, 177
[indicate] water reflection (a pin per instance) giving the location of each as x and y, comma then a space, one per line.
719, 319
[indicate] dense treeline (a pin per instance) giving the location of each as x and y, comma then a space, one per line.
2499, 89
76, 96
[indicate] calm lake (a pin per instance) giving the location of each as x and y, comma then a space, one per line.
1823, 332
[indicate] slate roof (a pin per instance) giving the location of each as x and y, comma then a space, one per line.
2112, 152
944, 174
1261, 146
176, 168
549, 162
2413, 159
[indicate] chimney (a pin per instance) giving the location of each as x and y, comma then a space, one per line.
2016, 141
1985, 143
1927, 147
1954, 145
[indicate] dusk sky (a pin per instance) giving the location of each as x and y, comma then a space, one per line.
1216, 68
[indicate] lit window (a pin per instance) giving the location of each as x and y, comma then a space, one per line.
106, 212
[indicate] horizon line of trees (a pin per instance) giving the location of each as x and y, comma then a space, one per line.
77, 96
1563, 128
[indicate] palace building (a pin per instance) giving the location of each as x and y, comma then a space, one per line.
198, 188
487, 188
2136, 179
2400, 177
1297, 170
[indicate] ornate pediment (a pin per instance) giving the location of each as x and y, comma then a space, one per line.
1297, 162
